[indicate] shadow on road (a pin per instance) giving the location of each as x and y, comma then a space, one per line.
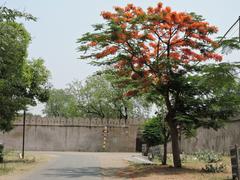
74, 172
128, 172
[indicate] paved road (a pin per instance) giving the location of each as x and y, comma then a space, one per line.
80, 166
69, 166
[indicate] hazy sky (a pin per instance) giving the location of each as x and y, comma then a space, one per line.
61, 22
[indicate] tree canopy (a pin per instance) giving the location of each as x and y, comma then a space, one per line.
22, 82
164, 52
97, 97
153, 131
61, 104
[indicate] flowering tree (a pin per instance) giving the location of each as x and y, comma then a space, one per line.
156, 51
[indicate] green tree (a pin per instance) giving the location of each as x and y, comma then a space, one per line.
10, 15
155, 132
61, 104
22, 82
152, 132
164, 52
35, 86
99, 97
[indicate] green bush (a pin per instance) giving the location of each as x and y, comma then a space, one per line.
214, 168
208, 156
152, 133
213, 161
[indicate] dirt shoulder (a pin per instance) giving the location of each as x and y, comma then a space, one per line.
115, 166
13, 168
113, 163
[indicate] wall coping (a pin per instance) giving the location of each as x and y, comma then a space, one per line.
76, 122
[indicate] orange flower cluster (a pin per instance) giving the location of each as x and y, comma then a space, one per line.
145, 37
109, 50
151, 37
135, 76
92, 44
215, 56
175, 56
131, 93
122, 38
107, 15
120, 64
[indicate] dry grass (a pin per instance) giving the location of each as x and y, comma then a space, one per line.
13, 165
191, 171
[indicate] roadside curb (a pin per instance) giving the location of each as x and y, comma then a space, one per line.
138, 159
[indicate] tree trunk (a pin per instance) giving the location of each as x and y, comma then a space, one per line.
164, 160
180, 141
147, 149
166, 136
126, 114
175, 145
173, 128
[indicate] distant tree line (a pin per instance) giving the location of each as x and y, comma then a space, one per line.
97, 97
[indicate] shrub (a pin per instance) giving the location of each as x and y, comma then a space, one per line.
208, 156
213, 161
152, 133
214, 168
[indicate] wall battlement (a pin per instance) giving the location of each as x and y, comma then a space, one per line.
75, 122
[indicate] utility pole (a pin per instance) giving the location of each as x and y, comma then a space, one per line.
23, 137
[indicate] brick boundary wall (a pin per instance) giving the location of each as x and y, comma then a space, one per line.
218, 141
76, 134
61, 134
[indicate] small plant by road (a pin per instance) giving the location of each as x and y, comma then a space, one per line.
213, 161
